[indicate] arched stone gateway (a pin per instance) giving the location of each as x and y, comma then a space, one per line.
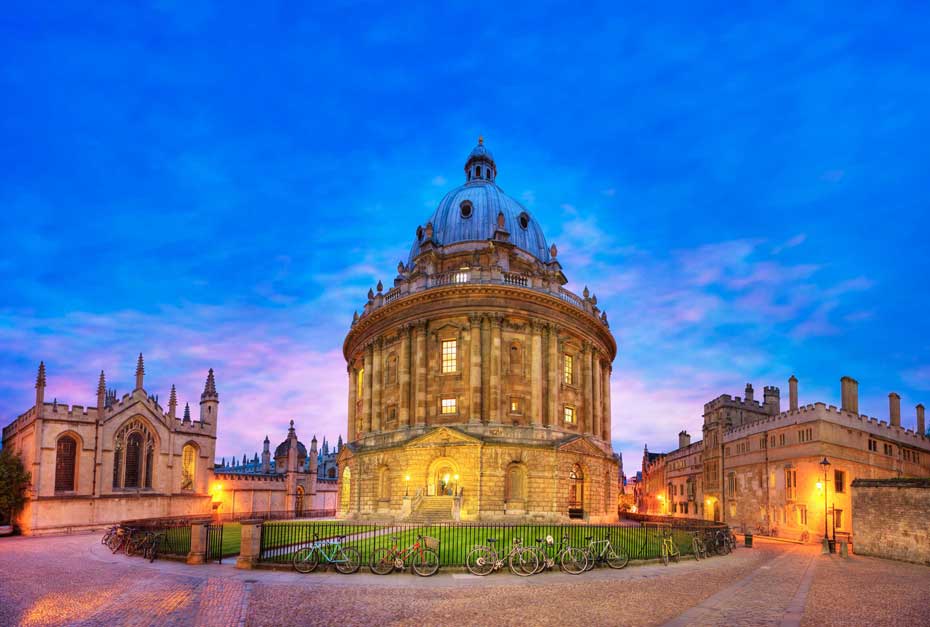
478, 377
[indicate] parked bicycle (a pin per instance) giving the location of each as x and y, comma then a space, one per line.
698, 546
344, 558
722, 542
603, 552
570, 559
423, 558
108, 534
670, 549
484, 559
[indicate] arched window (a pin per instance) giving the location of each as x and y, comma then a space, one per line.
515, 484
576, 487
65, 459
299, 501
133, 456
384, 484
117, 463
516, 358
331, 473
188, 466
133, 460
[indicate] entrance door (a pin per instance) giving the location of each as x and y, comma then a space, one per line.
576, 492
447, 481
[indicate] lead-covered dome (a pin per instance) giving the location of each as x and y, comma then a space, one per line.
477, 210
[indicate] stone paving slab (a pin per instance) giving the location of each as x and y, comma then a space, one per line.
74, 580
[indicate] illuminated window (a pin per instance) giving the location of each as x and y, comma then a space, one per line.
516, 406
448, 356
791, 483
188, 466
568, 370
448, 406
359, 384
569, 415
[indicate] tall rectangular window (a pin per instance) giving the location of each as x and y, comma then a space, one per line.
569, 415
360, 384
568, 370
873, 445
839, 481
791, 484
449, 355
448, 406
838, 518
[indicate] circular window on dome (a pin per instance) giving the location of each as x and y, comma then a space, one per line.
466, 209
524, 220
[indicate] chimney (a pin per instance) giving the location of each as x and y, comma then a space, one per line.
921, 422
793, 393
684, 440
772, 399
749, 392
894, 409
849, 395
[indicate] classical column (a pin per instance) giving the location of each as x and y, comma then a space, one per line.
420, 361
474, 344
403, 375
598, 406
553, 376
495, 379
536, 409
353, 383
366, 392
607, 414
587, 405
376, 380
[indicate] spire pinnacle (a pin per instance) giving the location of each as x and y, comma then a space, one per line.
187, 412
101, 385
140, 372
40, 378
172, 402
480, 139
209, 389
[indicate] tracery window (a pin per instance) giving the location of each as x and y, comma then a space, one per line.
65, 458
134, 456
188, 466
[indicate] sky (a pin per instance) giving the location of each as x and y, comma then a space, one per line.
219, 185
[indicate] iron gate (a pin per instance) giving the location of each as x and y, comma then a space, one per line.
214, 551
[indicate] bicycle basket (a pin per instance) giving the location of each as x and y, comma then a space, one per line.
431, 543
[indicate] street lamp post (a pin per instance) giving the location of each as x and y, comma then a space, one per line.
825, 464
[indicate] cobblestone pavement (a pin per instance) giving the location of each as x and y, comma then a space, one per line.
73, 580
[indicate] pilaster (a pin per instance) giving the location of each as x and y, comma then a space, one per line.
404, 376
536, 409
376, 382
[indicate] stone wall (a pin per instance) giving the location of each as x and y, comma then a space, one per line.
890, 518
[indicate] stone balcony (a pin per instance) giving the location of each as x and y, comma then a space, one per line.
404, 286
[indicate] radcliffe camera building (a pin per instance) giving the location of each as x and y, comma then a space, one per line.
760, 469
479, 386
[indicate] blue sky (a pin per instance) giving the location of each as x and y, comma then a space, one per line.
219, 186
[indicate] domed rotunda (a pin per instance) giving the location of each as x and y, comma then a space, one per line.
479, 387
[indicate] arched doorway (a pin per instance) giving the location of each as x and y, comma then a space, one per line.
443, 478
576, 492
299, 501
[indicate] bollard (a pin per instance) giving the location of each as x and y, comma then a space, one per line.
747, 540
825, 549
844, 548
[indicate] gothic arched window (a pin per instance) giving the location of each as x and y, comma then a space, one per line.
133, 456
188, 466
133, 460
65, 460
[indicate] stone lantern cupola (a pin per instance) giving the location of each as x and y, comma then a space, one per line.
480, 164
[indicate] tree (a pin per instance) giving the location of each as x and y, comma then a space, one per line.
14, 480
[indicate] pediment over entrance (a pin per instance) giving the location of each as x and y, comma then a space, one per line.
581, 445
442, 436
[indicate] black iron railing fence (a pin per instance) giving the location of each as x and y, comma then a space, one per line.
207, 518
673, 521
280, 540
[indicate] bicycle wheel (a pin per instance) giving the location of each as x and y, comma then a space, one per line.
674, 552
348, 560
616, 558
665, 552
382, 561
542, 559
480, 561
426, 563
573, 561
305, 560
591, 559
523, 562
